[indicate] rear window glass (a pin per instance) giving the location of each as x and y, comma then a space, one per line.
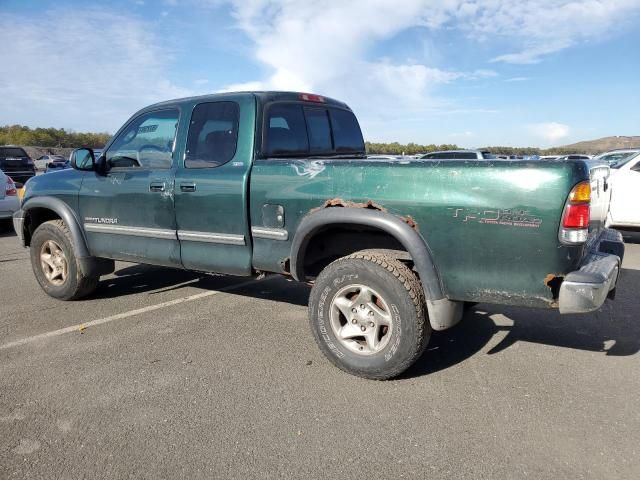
296, 129
318, 129
346, 131
213, 135
12, 152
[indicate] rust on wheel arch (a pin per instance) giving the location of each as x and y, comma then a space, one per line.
369, 205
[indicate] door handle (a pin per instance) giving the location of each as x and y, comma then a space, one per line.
156, 187
187, 187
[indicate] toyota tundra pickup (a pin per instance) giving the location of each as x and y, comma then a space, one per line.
257, 182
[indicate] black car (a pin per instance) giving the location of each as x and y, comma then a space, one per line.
15, 162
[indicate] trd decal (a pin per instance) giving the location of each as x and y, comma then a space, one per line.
496, 216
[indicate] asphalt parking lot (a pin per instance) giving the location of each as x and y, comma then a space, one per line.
170, 374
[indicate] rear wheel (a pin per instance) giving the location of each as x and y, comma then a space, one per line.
367, 314
55, 264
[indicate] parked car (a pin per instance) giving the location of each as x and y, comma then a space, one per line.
14, 161
42, 161
625, 189
615, 157
573, 157
9, 202
259, 182
459, 155
549, 157
57, 165
383, 157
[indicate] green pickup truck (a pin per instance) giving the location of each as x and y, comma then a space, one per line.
256, 182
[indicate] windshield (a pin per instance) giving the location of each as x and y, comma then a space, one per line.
12, 152
617, 160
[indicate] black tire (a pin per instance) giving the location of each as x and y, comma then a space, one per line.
401, 293
75, 285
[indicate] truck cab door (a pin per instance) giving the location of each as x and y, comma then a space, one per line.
212, 184
626, 185
127, 209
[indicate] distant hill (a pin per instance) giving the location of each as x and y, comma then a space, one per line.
602, 145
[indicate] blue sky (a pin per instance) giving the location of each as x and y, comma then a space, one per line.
471, 72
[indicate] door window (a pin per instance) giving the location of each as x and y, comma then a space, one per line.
147, 142
213, 135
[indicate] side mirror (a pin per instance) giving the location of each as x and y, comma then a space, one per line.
83, 159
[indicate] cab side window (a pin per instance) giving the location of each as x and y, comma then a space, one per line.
213, 135
147, 142
287, 131
293, 129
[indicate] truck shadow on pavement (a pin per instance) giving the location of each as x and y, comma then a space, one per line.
6, 229
140, 278
614, 330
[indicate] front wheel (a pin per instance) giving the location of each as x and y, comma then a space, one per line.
367, 314
55, 265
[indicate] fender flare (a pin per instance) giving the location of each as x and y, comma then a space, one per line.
407, 236
65, 212
90, 266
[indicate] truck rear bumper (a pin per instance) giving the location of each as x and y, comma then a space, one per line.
586, 289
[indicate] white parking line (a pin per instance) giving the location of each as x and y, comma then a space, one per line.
120, 316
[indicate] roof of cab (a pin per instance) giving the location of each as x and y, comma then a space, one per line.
263, 96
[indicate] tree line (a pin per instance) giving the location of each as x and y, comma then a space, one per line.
50, 137
396, 148
61, 138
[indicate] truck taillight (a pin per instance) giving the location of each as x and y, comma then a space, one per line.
11, 188
576, 216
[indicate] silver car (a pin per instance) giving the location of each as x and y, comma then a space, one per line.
459, 155
9, 201
44, 160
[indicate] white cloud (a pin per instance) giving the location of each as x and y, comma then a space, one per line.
85, 70
516, 79
325, 46
550, 132
542, 27
94, 67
